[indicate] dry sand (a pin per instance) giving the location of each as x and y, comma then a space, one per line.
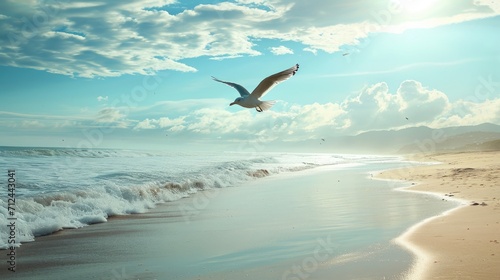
465, 242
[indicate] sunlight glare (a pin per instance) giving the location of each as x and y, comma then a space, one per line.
417, 6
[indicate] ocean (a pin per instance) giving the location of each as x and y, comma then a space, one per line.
60, 188
63, 188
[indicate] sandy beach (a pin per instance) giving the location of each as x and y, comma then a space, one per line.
463, 243
323, 223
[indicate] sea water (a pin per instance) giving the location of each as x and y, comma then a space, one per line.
329, 222
60, 188
326, 201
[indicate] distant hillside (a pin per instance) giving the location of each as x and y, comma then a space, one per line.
461, 142
416, 139
486, 146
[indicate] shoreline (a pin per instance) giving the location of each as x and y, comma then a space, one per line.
463, 242
171, 240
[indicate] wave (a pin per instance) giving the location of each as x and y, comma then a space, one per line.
68, 152
55, 210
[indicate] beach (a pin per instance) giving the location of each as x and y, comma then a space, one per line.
283, 217
463, 243
329, 221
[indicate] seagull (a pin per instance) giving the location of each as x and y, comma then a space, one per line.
251, 100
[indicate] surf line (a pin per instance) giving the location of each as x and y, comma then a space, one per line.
11, 217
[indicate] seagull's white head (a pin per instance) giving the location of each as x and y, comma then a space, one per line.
236, 101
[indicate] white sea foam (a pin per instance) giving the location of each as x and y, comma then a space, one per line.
71, 188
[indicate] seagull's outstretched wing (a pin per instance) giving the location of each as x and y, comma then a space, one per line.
243, 91
268, 83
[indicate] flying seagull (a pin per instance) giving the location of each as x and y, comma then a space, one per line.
251, 100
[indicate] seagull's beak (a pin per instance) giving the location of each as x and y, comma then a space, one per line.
232, 103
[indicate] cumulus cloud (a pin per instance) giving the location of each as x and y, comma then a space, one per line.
309, 118
465, 112
145, 124
163, 122
281, 50
96, 38
374, 107
414, 97
377, 108
209, 120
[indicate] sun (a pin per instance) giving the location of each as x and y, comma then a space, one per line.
417, 6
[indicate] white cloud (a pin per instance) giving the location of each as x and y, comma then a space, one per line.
313, 116
11, 119
376, 108
281, 50
111, 116
373, 107
314, 51
494, 5
94, 38
145, 124
102, 98
469, 113
261, 2
225, 57
218, 121
177, 128
167, 122
163, 122
414, 97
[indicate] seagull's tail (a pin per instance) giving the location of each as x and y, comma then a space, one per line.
266, 105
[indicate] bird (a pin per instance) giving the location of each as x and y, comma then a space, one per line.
251, 100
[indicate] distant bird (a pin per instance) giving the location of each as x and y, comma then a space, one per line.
323, 139
406, 118
344, 54
251, 100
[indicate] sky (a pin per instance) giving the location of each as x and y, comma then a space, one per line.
137, 74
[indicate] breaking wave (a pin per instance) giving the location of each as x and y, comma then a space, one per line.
44, 210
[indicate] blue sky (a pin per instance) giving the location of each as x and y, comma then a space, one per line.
136, 74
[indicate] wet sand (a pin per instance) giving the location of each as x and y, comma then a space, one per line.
463, 243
